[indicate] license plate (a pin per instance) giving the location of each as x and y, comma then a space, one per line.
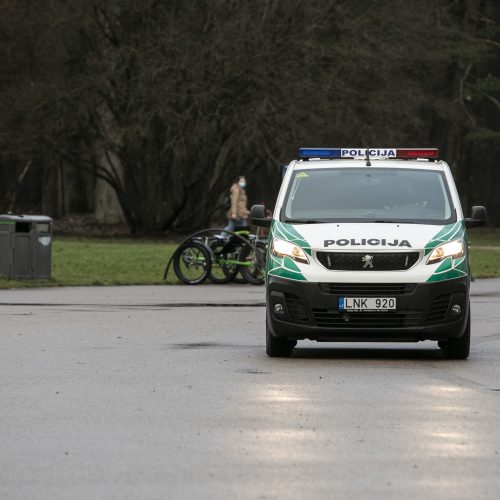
367, 303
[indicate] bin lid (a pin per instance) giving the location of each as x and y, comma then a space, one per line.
39, 218
12, 219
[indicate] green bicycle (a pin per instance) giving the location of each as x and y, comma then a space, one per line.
235, 256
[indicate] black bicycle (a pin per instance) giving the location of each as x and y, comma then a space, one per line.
220, 256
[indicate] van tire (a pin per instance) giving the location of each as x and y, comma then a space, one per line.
278, 348
458, 348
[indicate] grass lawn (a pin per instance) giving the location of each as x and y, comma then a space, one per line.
104, 262
485, 263
484, 237
485, 252
132, 262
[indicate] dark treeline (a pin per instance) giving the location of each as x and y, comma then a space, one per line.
146, 110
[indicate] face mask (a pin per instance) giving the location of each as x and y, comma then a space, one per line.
242, 184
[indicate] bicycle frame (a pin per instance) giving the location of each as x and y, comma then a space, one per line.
205, 235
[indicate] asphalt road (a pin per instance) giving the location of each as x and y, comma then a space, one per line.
166, 392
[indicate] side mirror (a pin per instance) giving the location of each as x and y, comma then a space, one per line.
258, 216
478, 217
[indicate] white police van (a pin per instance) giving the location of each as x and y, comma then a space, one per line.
368, 245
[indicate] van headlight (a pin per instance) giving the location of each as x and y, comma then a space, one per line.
454, 249
282, 248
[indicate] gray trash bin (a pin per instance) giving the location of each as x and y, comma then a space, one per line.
25, 246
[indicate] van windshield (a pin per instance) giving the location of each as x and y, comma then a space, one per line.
368, 195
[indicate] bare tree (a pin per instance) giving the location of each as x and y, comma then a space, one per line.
166, 102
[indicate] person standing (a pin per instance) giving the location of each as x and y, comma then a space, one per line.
237, 214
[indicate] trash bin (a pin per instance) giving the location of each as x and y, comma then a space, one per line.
25, 246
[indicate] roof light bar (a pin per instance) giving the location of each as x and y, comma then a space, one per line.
360, 153
417, 153
320, 153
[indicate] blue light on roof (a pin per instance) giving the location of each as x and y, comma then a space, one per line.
320, 153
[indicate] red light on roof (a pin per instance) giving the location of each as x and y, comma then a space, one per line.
417, 153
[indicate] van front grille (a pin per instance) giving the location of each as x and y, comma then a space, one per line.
332, 318
366, 261
368, 289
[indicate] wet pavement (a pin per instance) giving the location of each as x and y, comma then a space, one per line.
166, 392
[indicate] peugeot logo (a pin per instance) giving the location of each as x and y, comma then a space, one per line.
367, 261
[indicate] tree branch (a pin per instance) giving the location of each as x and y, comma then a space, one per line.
461, 90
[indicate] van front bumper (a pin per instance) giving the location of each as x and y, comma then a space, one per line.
424, 311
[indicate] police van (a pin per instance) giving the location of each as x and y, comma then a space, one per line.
368, 245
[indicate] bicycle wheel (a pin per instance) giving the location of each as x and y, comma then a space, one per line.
253, 263
224, 266
239, 279
192, 263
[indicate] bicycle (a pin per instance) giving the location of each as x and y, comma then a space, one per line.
208, 254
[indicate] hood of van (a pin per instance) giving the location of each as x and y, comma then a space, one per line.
368, 236
364, 236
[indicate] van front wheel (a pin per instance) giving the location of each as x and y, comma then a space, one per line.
457, 348
278, 348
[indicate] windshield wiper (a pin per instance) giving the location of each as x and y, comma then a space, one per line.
390, 221
302, 221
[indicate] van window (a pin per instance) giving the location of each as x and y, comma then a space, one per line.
369, 195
